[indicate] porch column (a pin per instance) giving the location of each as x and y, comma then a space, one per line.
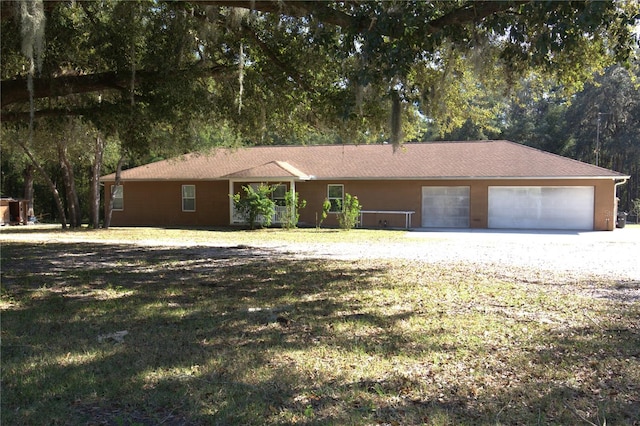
295, 197
230, 202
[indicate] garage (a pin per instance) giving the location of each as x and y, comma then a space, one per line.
445, 206
541, 207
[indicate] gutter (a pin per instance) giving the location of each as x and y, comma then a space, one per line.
375, 178
623, 180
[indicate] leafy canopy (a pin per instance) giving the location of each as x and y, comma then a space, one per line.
277, 71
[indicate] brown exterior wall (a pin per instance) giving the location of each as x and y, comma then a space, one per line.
373, 195
160, 203
407, 195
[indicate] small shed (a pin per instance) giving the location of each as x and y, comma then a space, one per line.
13, 212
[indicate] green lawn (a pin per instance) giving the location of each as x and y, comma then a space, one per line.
241, 337
211, 236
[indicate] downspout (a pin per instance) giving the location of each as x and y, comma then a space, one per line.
615, 198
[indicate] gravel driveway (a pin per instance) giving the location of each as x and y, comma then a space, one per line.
543, 257
609, 255
581, 260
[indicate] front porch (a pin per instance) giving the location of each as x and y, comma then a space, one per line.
276, 219
280, 215
278, 173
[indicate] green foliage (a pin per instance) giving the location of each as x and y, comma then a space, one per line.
326, 207
293, 204
350, 212
604, 116
635, 208
256, 207
315, 65
317, 72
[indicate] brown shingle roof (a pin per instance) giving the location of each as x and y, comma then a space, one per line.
272, 169
430, 160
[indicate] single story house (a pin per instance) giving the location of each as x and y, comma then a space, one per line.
476, 184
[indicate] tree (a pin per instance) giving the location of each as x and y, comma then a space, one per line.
20, 138
598, 125
536, 116
603, 123
143, 72
282, 68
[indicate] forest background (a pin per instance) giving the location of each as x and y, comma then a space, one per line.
89, 87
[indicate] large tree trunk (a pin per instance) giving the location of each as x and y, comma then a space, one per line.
28, 190
94, 193
52, 186
107, 216
73, 201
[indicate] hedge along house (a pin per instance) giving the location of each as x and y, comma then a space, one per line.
478, 184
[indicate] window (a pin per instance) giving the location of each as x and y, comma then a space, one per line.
335, 195
278, 192
279, 195
188, 198
118, 198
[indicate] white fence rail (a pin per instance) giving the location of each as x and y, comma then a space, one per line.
276, 219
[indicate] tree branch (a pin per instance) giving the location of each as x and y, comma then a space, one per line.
25, 116
16, 90
473, 11
289, 70
296, 9
8, 7
13, 91
470, 12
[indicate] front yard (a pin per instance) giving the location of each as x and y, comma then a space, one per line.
105, 333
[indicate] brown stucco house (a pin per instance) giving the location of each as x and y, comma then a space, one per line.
477, 184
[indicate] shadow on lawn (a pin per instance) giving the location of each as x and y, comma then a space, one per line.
211, 338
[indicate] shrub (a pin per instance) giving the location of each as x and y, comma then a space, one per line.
348, 217
635, 208
256, 206
293, 204
326, 206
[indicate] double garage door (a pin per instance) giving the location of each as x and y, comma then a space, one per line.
541, 207
515, 207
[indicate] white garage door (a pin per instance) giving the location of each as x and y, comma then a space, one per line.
541, 207
445, 206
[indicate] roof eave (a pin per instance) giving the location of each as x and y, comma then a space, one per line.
360, 178
212, 179
333, 178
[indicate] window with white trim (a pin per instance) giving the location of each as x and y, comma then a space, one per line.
335, 195
118, 197
279, 195
188, 198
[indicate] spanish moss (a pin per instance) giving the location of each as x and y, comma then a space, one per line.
32, 22
240, 78
396, 119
